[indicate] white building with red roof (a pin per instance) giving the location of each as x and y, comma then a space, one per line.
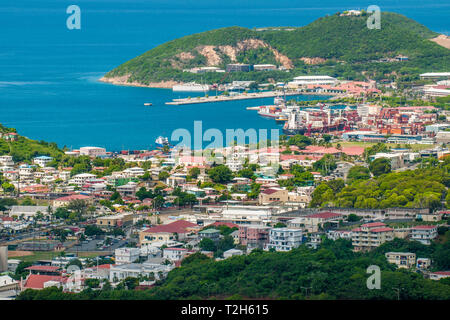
424, 233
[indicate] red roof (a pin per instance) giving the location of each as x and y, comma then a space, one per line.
43, 268
36, 281
373, 224
269, 191
324, 215
442, 273
178, 226
228, 224
423, 227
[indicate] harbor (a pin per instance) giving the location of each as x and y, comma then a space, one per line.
231, 97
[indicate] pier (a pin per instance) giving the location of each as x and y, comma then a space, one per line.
243, 96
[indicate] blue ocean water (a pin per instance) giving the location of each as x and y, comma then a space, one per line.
48, 74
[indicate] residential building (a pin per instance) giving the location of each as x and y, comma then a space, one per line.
284, 239
42, 161
253, 236
402, 259
371, 235
438, 275
172, 231
212, 234
174, 254
92, 151
424, 234
80, 179
232, 252
120, 272
312, 222
113, 221
64, 201
126, 255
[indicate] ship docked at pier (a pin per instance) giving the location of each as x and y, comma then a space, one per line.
308, 122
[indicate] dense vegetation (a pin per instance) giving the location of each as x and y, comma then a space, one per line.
421, 188
24, 149
347, 46
332, 272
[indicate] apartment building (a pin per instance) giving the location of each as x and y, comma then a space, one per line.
424, 234
402, 259
174, 254
253, 236
370, 236
284, 239
126, 255
312, 222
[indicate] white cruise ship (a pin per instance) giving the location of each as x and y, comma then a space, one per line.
191, 87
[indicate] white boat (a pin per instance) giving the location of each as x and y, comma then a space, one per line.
148, 104
162, 141
191, 87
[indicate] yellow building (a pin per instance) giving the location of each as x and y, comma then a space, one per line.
402, 259
118, 220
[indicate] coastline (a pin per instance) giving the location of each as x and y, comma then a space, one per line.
123, 81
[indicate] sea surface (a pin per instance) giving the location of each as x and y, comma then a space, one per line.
48, 74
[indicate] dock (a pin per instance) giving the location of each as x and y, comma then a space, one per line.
243, 96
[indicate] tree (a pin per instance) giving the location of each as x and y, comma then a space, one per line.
207, 244
78, 205
163, 175
246, 173
75, 262
300, 141
380, 166
358, 173
353, 217
194, 172
220, 174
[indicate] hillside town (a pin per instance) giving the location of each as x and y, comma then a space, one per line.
95, 218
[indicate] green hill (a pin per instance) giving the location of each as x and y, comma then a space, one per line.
24, 149
340, 46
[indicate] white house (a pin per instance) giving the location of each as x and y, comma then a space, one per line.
92, 151
126, 255
174, 254
42, 161
284, 239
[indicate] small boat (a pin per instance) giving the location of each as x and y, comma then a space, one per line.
252, 108
148, 104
